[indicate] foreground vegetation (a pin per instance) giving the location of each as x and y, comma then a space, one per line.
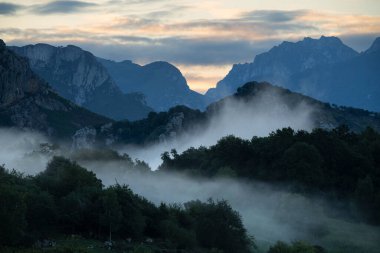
66, 200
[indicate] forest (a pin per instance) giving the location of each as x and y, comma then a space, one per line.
66, 199
338, 164
68, 208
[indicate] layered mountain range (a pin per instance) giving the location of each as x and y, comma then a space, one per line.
27, 101
76, 75
324, 68
163, 84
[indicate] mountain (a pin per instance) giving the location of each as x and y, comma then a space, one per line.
76, 75
160, 127
354, 82
324, 115
285, 65
162, 84
26, 101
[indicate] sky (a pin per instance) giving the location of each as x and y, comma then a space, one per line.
202, 38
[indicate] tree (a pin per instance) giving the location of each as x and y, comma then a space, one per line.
295, 247
133, 221
63, 176
219, 226
111, 214
41, 211
12, 215
302, 163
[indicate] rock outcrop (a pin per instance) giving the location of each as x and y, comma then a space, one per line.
27, 101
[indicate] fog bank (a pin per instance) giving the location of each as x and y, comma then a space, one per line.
269, 213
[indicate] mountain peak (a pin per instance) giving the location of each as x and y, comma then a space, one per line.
308, 43
375, 46
281, 62
161, 82
2, 44
323, 40
161, 64
330, 38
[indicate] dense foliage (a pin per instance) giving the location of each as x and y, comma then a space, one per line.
151, 128
67, 199
338, 163
296, 247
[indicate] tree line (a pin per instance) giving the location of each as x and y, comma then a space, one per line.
337, 163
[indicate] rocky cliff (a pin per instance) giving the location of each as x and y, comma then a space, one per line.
76, 75
27, 101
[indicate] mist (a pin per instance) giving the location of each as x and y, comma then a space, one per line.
269, 213
20, 150
245, 119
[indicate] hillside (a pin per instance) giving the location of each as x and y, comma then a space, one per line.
76, 75
168, 125
26, 101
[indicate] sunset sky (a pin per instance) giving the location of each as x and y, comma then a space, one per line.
202, 38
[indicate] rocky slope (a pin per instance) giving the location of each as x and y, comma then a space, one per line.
162, 84
26, 101
76, 75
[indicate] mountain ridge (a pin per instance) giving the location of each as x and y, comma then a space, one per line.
27, 101
162, 83
281, 62
164, 126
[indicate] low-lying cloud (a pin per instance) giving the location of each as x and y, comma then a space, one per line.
269, 213
17, 151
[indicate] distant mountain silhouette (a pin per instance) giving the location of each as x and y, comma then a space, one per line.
27, 101
323, 68
76, 75
354, 82
162, 84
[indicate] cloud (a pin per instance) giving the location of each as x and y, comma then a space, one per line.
178, 50
8, 8
252, 24
275, 16
61, 7
166, 32
186, 51
117, 2
242, 28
